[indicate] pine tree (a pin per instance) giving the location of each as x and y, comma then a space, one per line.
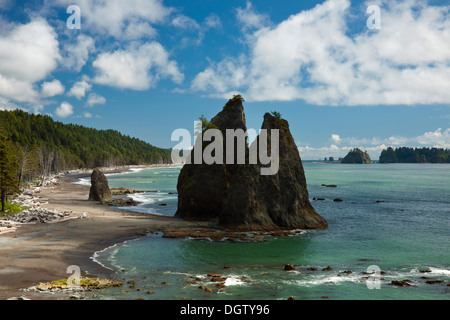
8, 181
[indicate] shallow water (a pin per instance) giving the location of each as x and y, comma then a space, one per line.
404, 233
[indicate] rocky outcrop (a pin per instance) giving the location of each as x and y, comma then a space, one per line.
122, 191
356, 156
238, 196
99, 187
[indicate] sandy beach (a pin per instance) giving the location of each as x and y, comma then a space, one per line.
41, 252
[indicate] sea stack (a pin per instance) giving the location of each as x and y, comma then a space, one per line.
356, 156
237, 196
99, 187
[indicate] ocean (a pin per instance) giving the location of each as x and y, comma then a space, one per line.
394, 218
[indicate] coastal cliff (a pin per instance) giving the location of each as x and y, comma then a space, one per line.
238, 196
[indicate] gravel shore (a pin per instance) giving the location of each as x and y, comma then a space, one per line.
42, 251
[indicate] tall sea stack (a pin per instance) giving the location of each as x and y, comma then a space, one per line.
238, 196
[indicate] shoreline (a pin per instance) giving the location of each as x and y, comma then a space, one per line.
37, 253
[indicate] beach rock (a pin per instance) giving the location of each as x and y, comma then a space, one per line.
122, 191
218, 279
38, 215
401, 283
99, 187
345, 272
237, 196
338, 200
121, 202
425, 271
356, 156
289, 267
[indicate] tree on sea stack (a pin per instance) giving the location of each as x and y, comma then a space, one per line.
8, 181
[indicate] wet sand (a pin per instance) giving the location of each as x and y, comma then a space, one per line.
38, 253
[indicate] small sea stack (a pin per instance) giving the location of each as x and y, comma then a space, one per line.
99, 187
356, 156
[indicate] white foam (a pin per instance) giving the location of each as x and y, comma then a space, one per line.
326, 279
234, 281
434, 271
142, 198
443, 272
83, 181
111, 256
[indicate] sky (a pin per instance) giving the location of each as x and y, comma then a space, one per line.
345, 74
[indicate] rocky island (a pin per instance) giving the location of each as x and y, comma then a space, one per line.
237, 196
356, 156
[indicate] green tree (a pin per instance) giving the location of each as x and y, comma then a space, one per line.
276, 114
8, 181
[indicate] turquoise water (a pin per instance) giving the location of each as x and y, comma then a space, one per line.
394, 217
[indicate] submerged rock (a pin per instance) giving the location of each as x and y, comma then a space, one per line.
238, 196
99, 187
401, 283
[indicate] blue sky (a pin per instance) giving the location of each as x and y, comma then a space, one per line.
146, 68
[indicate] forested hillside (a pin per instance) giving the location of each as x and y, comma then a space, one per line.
44, 146
415, 155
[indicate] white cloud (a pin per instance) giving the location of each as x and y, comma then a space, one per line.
77, 54
119, 18
94, 99
28, 54
225, 77
139, 67
80, 88
315, 153
51, 89
250, 19
213, 21
438, 138
8, 105
335, 138
184, 22
311, 56
340, 146
87, 115
139, 29
64, 110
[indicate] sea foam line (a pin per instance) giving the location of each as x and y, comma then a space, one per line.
111, 257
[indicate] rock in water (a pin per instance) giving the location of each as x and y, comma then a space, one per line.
99, 187
237, 196
356, 156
